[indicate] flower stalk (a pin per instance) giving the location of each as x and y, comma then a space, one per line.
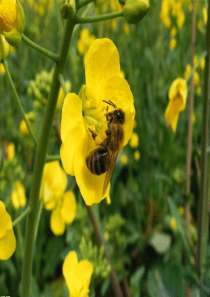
40, 157
204, 181
21, 217
104, 17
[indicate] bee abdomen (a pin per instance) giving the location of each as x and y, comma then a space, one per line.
98, 161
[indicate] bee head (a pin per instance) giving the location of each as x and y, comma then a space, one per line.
117, 116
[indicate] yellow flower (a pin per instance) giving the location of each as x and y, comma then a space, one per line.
2, 68
180, 19
173, 31
123, 159
202, 64
79, 116
198, 90
4, 48
187, 71
10, 151
137, 155
134, 141
177, 101
77, 275
8, 14
7, 236
205, 16
172, 44
195, 60
54, 183
18, 195
173, 224
85, 41
23, 127
64, 213
196, 78
181, 210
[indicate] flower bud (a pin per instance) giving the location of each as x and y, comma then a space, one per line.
135, 10
8, 14
122, 2
4, 48
68, 9
14, 36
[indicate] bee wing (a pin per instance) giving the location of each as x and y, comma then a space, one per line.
109, 172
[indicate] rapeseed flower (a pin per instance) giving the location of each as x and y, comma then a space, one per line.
7, 237
63, 205
85, 41
10, 151
8, 14
134, 141
88, 112
172, 44
18, 195
137, 155
177, 101
77, 275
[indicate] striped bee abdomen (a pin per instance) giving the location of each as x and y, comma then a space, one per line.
98, 161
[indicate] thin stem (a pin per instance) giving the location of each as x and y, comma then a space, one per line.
53, 158
38, 218
83, 3
58, 14
22, 216
40, 157
40, 49
194, 68
99, 18
189, 139
114, 280
17, 99
203, 198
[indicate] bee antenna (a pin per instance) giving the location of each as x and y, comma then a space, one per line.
110, 103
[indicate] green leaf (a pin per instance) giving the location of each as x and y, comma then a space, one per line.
161, 242
135, 281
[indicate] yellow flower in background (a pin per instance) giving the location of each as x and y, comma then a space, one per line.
173, 31
10, 150
181, 210
172, 44
137, 155
198, 90
195, 60
81, 116
77, 275
64, 213
177, 101
187, 71
134, 141
123, 159
202, 64
196, 78
180, 19
18, 195
54, 182
7, 236
205, 16
173, 224
4, 48
23, 127
85, 41
126, 29
164, 15
2, 69
8, 14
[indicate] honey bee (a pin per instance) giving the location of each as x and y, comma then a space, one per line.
103, 159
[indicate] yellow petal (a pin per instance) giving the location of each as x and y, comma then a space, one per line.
57, 224
101, 63
118, 91
7, 245
72, 130
172, 116
55, 178
18, 195
69, 207
8, 14
4, 48
5, 220
178, 93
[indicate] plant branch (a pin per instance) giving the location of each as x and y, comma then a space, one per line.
19, 104
40, 157
22, 216
104, 17
83, 3
114, 280
40, 49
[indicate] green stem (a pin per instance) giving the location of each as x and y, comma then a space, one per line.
17, 99
204, 189
53, 158
40, 157
62, 82
99, 18
196, 66
40, 49
38, 218
58, 14
83, 3
21, 217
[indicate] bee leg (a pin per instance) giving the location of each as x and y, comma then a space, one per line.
106, 114
108, 132
93, 134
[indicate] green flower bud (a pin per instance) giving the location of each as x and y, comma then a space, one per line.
68, 9
4, 48
135, 10
15, 35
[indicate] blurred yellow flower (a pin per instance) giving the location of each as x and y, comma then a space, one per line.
187, 71
2, 69
23, 127
137, 155
202, 64
173, 31
85, 41
177, 101
181, 210
195, 60
77, 275
18, 195
8, 14
123, 159
64, 213
205, 16
4, 48
134, 141
196, 78
172, 44
173, 224
198, 90
7, 236
126, 29
88, 112
180, 19
10, 151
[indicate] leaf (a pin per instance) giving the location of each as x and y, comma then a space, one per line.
135, 281
161, 242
